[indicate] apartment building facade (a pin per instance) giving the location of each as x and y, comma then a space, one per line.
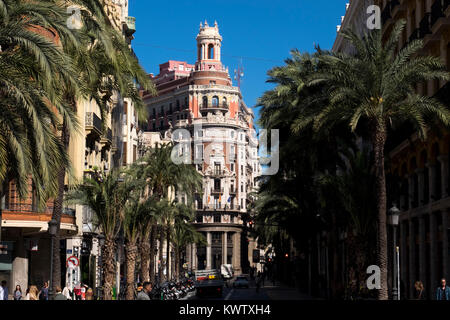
219, 135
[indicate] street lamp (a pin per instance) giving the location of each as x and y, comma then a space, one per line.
394, 220
52, 229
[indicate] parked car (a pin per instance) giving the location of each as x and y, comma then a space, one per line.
241, 282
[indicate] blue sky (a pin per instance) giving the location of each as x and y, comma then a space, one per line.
261, 32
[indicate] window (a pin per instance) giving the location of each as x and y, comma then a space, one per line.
199, 218
124, 154
242, 170
170, 108
216, 184
232, 167
178, 105
162, 111
181, 67
205, 102
216, 219
232, 152
199, 152
154, 126
154, 112
217, 167
215, 101
216, 202
232, 133
212, 82
242, 187
186, 103
161, 124
224, 102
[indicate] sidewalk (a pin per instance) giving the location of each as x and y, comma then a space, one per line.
280, 291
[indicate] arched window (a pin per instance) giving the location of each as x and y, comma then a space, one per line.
205, 102
215, 101
224, 102
211, 51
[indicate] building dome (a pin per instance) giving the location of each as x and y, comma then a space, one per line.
207, 32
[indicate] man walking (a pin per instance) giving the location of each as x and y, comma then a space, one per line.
59, 295
443, 292
145, 292
4, 290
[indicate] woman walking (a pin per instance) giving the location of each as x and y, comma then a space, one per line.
18, 293
419, 293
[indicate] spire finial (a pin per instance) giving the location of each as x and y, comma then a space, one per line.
206, 23
201, 25
215, 24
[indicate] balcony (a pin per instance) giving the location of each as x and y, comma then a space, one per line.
425, 25
93, 124
27, 215
226, 207
438, 14
130, 25
214, 107
107, 137
217, 190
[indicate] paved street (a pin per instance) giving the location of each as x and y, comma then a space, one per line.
269, 291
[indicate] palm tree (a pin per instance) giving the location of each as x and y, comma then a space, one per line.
376, 87
31, 68
135, 210
106, 195
105, 66
163, 177
184, 233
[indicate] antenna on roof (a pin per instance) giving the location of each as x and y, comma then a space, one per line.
239, 74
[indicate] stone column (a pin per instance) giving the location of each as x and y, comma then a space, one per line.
432, 179
194, 256
237, 252
412, 257
403, 256
422, 253
224, 247
410, 190
421, 183
445, 248
19, 273
443, 159
208, 250
433, 248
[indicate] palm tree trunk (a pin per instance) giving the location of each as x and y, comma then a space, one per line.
378, 142
131, 251
177, 262
168, 260
57, 212
109, 267
152, 253
160, 251
145, 259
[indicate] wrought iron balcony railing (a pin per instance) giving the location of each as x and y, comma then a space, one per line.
93, 122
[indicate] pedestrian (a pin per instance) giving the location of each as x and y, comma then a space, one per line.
419, 293
4, 290
144, 294
59, 295
43, 294
18, 293
32, 293
66, 293
90, 294
443, 292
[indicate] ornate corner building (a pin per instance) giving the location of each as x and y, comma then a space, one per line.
201, 99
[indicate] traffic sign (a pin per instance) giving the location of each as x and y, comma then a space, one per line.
72, 261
